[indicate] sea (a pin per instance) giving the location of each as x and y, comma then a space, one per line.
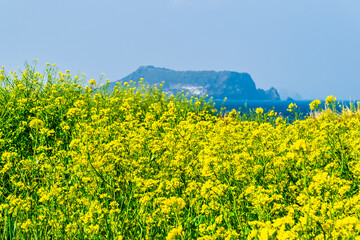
279, 106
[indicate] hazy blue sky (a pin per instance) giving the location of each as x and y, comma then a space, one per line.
308, 46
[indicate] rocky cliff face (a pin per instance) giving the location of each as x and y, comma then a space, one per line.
233, 85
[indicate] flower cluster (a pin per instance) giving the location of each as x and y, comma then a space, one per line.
82, 163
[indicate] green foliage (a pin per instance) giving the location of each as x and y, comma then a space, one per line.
79, 162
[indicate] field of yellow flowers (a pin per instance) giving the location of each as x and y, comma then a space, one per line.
82, 163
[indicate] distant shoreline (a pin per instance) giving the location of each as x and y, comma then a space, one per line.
279, 106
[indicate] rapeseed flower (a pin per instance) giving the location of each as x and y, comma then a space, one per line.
36, 124
292, 107
330, 99
314, 104
92, 82
174, 233
259, 111
80, 163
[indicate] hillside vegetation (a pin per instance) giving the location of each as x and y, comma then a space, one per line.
233, 85
81, 163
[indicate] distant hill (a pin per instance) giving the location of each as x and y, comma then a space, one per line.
285, 94
233, 85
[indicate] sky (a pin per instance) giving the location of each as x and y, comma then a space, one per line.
311, 47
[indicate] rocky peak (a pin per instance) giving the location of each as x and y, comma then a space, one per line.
233, 85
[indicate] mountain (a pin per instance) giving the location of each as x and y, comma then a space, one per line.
233, 85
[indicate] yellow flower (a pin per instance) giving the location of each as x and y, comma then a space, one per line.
26, 225
272, 113
92, 82
314, 104
292, 107
175, 232
330, 99
259, 111
36, 124
74, 143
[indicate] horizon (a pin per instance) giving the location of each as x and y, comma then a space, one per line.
101, 80
284, 99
